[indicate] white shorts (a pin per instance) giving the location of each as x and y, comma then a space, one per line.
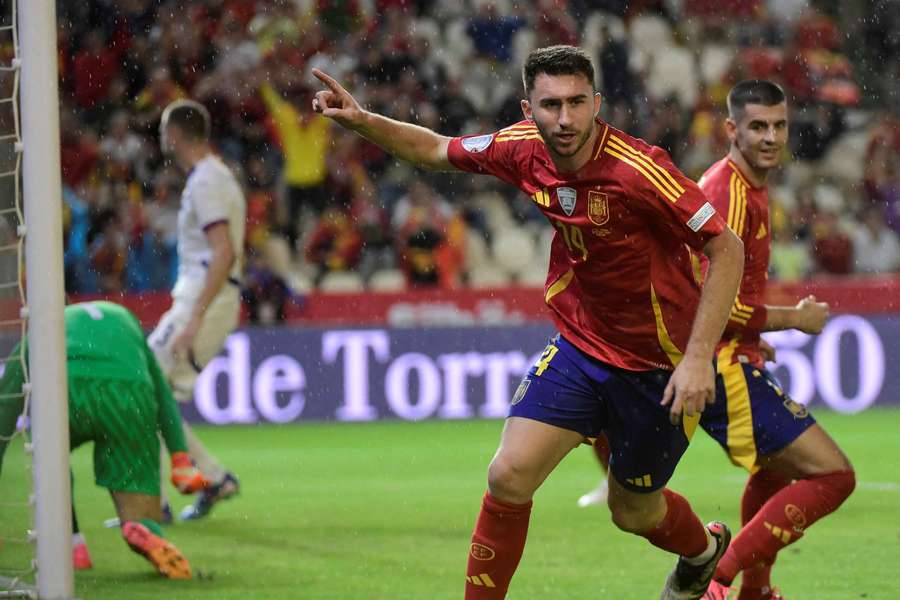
220, 320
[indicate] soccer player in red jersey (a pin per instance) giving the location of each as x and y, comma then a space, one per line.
798, 474
633, 358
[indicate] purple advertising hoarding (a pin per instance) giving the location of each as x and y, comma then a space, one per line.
284, 375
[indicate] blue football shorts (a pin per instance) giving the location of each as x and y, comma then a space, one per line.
752, 416
573, 390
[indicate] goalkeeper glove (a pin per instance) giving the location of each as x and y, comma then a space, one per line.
185, 476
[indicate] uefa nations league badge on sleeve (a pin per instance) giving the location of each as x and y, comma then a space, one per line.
478, 143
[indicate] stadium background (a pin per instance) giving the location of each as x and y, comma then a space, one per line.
377, 291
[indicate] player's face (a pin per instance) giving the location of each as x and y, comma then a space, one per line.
760, 134
564, 108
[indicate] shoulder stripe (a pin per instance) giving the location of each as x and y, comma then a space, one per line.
646, 161
512, 138
640, 168
519, 127
602, 141
742, 216
737, 204
646, 158
514, 134
738, 173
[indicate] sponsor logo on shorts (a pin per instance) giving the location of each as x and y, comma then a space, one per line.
520, 391
798, 410
796, 516
481, 552
477, 144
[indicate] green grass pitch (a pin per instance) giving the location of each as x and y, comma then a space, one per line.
384, 511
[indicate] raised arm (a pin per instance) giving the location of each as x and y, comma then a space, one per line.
417, 145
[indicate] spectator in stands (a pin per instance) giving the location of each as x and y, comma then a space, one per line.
78, 148
303, 138
430, 237
120, 147
108, 251
335, 244
875, 246
790, 259
492, 32
832, 247
265, 292
94, 68
161, 90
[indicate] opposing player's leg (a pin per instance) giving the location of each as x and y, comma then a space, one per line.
553, 410
599, 494
798, 473
220, 320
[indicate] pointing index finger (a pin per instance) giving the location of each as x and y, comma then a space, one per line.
328, 80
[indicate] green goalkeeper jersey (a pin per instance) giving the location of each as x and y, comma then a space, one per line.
104, 341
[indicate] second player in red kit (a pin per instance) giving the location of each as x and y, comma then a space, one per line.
633, 358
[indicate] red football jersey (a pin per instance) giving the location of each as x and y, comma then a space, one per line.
747, 210
621, 284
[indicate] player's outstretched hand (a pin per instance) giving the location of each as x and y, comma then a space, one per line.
691, 387
336, 102
767, 350
811, 315
185, 476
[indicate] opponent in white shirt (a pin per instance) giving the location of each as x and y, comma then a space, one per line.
206, 298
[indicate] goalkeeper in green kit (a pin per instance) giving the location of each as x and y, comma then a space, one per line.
118, 399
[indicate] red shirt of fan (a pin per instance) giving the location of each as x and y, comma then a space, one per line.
746, 209
622, 285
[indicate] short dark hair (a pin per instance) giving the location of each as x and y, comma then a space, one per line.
556, 60
190, 117
753, 91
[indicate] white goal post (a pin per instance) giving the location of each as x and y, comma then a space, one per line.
41, 186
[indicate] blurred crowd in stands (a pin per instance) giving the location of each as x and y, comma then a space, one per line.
328, 210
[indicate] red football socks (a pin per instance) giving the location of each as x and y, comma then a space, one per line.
680, 531
782, 520
761, 486
496, 548
602, 451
